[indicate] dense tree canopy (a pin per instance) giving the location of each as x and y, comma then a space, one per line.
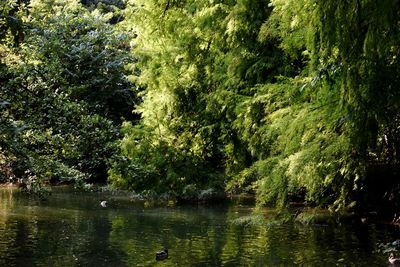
284, 99
66, 87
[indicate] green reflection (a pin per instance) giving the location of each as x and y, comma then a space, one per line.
71, 229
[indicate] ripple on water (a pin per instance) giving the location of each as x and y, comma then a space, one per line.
73, 230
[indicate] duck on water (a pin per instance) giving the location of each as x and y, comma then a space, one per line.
162, 254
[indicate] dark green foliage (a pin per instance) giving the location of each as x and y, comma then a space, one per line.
11, 25
363, 40
90, 59
67, 91
113, 7
118, 3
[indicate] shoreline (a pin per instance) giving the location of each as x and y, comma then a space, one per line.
302, 212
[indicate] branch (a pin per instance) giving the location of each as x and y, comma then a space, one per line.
165, 10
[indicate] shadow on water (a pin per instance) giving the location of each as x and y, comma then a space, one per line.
72, 229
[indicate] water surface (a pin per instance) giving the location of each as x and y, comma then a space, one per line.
72, 229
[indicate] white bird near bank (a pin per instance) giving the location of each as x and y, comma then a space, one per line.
103, 204
393, 259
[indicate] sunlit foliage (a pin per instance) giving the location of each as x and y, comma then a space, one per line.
288, 99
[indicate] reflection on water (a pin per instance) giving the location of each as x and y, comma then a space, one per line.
72, 229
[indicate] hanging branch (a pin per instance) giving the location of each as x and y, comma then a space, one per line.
165, 10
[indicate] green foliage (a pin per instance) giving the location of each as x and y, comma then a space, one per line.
281, 96
110, 7
146, 164
11, 22
284, 99
92, 52
193, 65
67, 92
355, 71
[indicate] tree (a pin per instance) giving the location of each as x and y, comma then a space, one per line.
69, 90
11, 35
281, 98
197, 61
353, 72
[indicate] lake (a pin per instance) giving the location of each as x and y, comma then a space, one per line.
72, 229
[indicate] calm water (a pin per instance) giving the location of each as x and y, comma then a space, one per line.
72, 229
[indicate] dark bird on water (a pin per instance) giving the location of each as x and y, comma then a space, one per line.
162, 255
